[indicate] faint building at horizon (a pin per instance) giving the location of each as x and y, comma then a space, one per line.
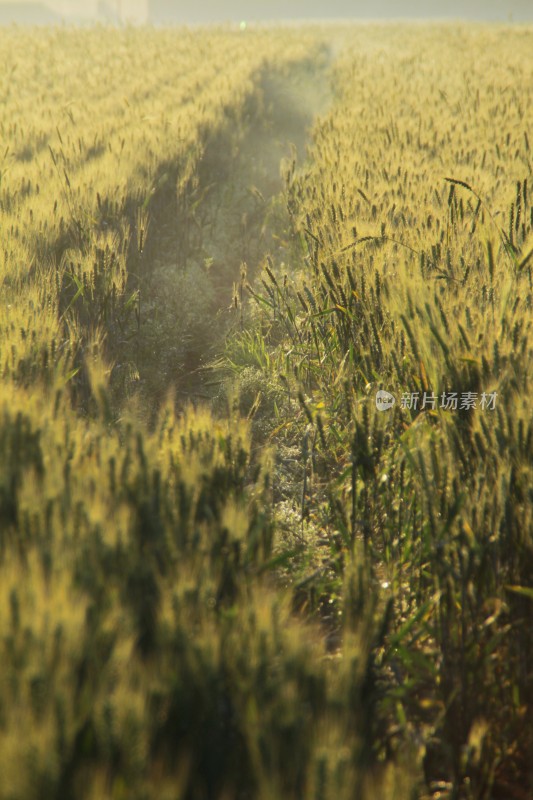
53, 12
123, 11
28, 13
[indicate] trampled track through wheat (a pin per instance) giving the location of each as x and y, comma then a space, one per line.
236, 217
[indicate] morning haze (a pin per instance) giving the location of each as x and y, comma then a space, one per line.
161, 12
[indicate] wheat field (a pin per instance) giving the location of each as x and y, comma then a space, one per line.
229, 568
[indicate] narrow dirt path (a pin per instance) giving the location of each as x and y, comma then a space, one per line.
238, 218
290, 105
